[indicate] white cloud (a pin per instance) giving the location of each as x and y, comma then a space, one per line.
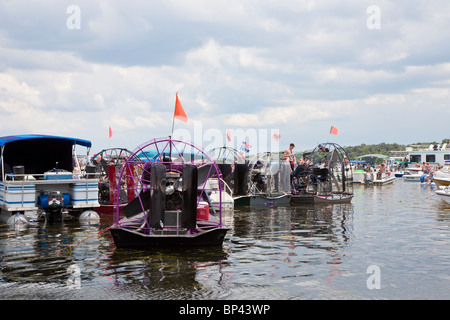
273, 117
385, 99
294, 65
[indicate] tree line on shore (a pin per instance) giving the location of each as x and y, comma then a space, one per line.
354, 152
381, 148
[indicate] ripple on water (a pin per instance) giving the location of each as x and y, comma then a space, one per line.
301, 252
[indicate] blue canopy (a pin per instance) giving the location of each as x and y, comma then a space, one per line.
359, 161
7, 139
38, 153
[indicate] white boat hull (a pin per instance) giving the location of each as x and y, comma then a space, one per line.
412, 177
444, 194
371, 178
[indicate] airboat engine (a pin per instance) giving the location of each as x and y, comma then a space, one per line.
171, 197
172, 193
53, 204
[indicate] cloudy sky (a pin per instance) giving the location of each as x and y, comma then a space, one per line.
379, 71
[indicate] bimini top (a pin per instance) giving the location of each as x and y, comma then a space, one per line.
381, 156
7, 139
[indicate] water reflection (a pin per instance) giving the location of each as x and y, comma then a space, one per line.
299, 225
34, 254
280, 248
167, 273
307, 251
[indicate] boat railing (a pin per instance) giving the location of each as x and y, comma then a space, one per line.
54, 176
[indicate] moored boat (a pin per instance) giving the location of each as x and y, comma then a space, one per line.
172, 205
413, 174
226, 159
444, 194
50, 184
105, 166
328, 179
375, 175
268, 182
442, 176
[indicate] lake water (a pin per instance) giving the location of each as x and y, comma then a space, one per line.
391, 242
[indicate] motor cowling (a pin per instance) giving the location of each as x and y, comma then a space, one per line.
53, 204
55, 207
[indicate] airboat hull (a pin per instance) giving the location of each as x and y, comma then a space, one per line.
242, 201
262, 200
128, 238
313, 199
333, 199
109, 209
302, 199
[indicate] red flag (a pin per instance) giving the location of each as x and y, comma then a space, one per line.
333, 130
228, 135
179, 111
110, 132
276, 136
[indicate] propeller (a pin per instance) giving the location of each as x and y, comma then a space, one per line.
138, 204
143, 201
204, 172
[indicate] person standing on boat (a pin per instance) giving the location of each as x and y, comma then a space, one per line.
380, 172
289, 156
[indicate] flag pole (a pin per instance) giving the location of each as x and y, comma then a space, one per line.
173, 123
173, 118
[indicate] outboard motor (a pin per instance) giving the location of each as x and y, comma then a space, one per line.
53, 204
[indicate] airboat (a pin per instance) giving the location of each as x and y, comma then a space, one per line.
172, 205
327, 178
105, 166
230, 163
263, 181
41, 177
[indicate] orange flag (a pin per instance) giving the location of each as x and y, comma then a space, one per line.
179, 111
333, 130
